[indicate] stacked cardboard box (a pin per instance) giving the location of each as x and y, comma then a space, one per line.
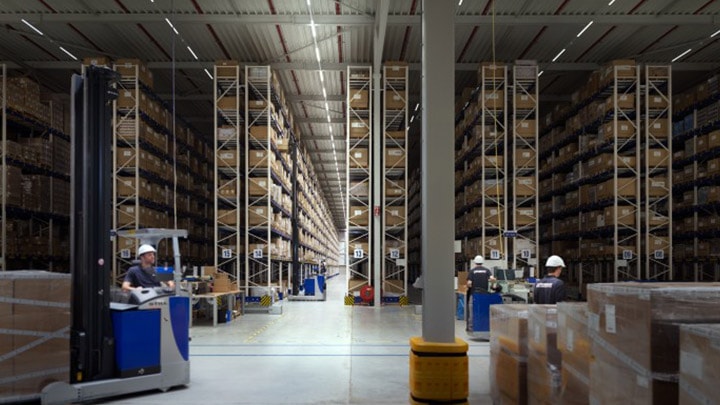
509, 353
574, 345
634, 328
699, 359
34, 332
544, 358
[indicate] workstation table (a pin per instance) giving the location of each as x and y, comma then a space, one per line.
214, 297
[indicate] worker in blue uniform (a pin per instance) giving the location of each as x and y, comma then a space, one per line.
144, 274
550, 289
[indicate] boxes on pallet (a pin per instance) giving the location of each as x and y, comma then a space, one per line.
359, 158
699, 356
525, 158
226, 68
508, 353
227, 158
395, 158
258, 159
395, 215
258, 216
525, 216
395, 69
525, 186
573, 342
359, 99
97, 61
493, 99
634, 329
544, 358
258, 186
525, 101
526, 128
394, 188
33, 331
359, 128
394, 100
359, 215
135, 68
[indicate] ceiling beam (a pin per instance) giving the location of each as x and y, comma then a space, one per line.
339, 120
459, 67
355, 20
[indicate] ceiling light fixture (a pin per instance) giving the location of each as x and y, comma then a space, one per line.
681, 55
715, 33
541, 72
611, 2
32, 26
172, 26
68, 53
584, 29
558, 55
208, 73
312, 27
460, 3
322, 77
325, 95
193, 53
331, 133
417, 106
328, 118
317, 53
327, 107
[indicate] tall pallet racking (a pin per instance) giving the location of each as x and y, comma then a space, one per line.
34, 158
268, 202
359, 179
394, 270
524, 155
229, 147
657, 176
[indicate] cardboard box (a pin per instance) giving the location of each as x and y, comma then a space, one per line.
525, 216
395, 69
97, 61
359, 189
699, 357
526, 129
262, 133
525, 158
574, 344
359, 128
395, 100
625, 314
394, 158
395, 216
660, 128
258, 216
525, 102
227, 217
493, 100
361, 244
359, 158
258, 159
509, 327
525, 186
227, 68
657, 158
359, 215
508, 377
358, 99
257, 105
657, 102
397, 135
258, 186
227, 158
395, 188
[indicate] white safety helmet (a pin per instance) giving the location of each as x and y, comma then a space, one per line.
554, 261
478, 259
145, 249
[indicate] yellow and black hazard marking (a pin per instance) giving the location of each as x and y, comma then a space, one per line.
349, 300
403, 300
265, 301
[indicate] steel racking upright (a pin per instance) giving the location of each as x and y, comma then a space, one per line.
229, 150
395, 180
525, 198
266, 183
657, 176
492, 131
359, 123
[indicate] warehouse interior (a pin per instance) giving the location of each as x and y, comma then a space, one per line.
286, 137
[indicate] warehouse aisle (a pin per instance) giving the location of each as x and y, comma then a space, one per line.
314, 353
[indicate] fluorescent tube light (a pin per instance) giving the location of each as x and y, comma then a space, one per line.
68, 53
32, 26
681, 55
584, 29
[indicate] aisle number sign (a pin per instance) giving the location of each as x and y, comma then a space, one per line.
525, 254
659, 254
257, 254
627, 254
125, 253
358, 253
226, 254
394, 253
495, 254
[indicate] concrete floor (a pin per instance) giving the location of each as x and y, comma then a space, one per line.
314, 353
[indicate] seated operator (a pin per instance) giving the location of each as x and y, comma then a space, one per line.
144, 275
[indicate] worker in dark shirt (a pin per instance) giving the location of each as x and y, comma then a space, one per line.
550, 289
144, 275
480, 278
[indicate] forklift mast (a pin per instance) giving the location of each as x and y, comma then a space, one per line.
91, 337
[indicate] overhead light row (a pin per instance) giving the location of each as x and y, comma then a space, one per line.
34, 28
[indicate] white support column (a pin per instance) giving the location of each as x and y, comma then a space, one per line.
438, 157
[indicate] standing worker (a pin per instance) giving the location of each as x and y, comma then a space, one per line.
144, 275
550, 289
480, 278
